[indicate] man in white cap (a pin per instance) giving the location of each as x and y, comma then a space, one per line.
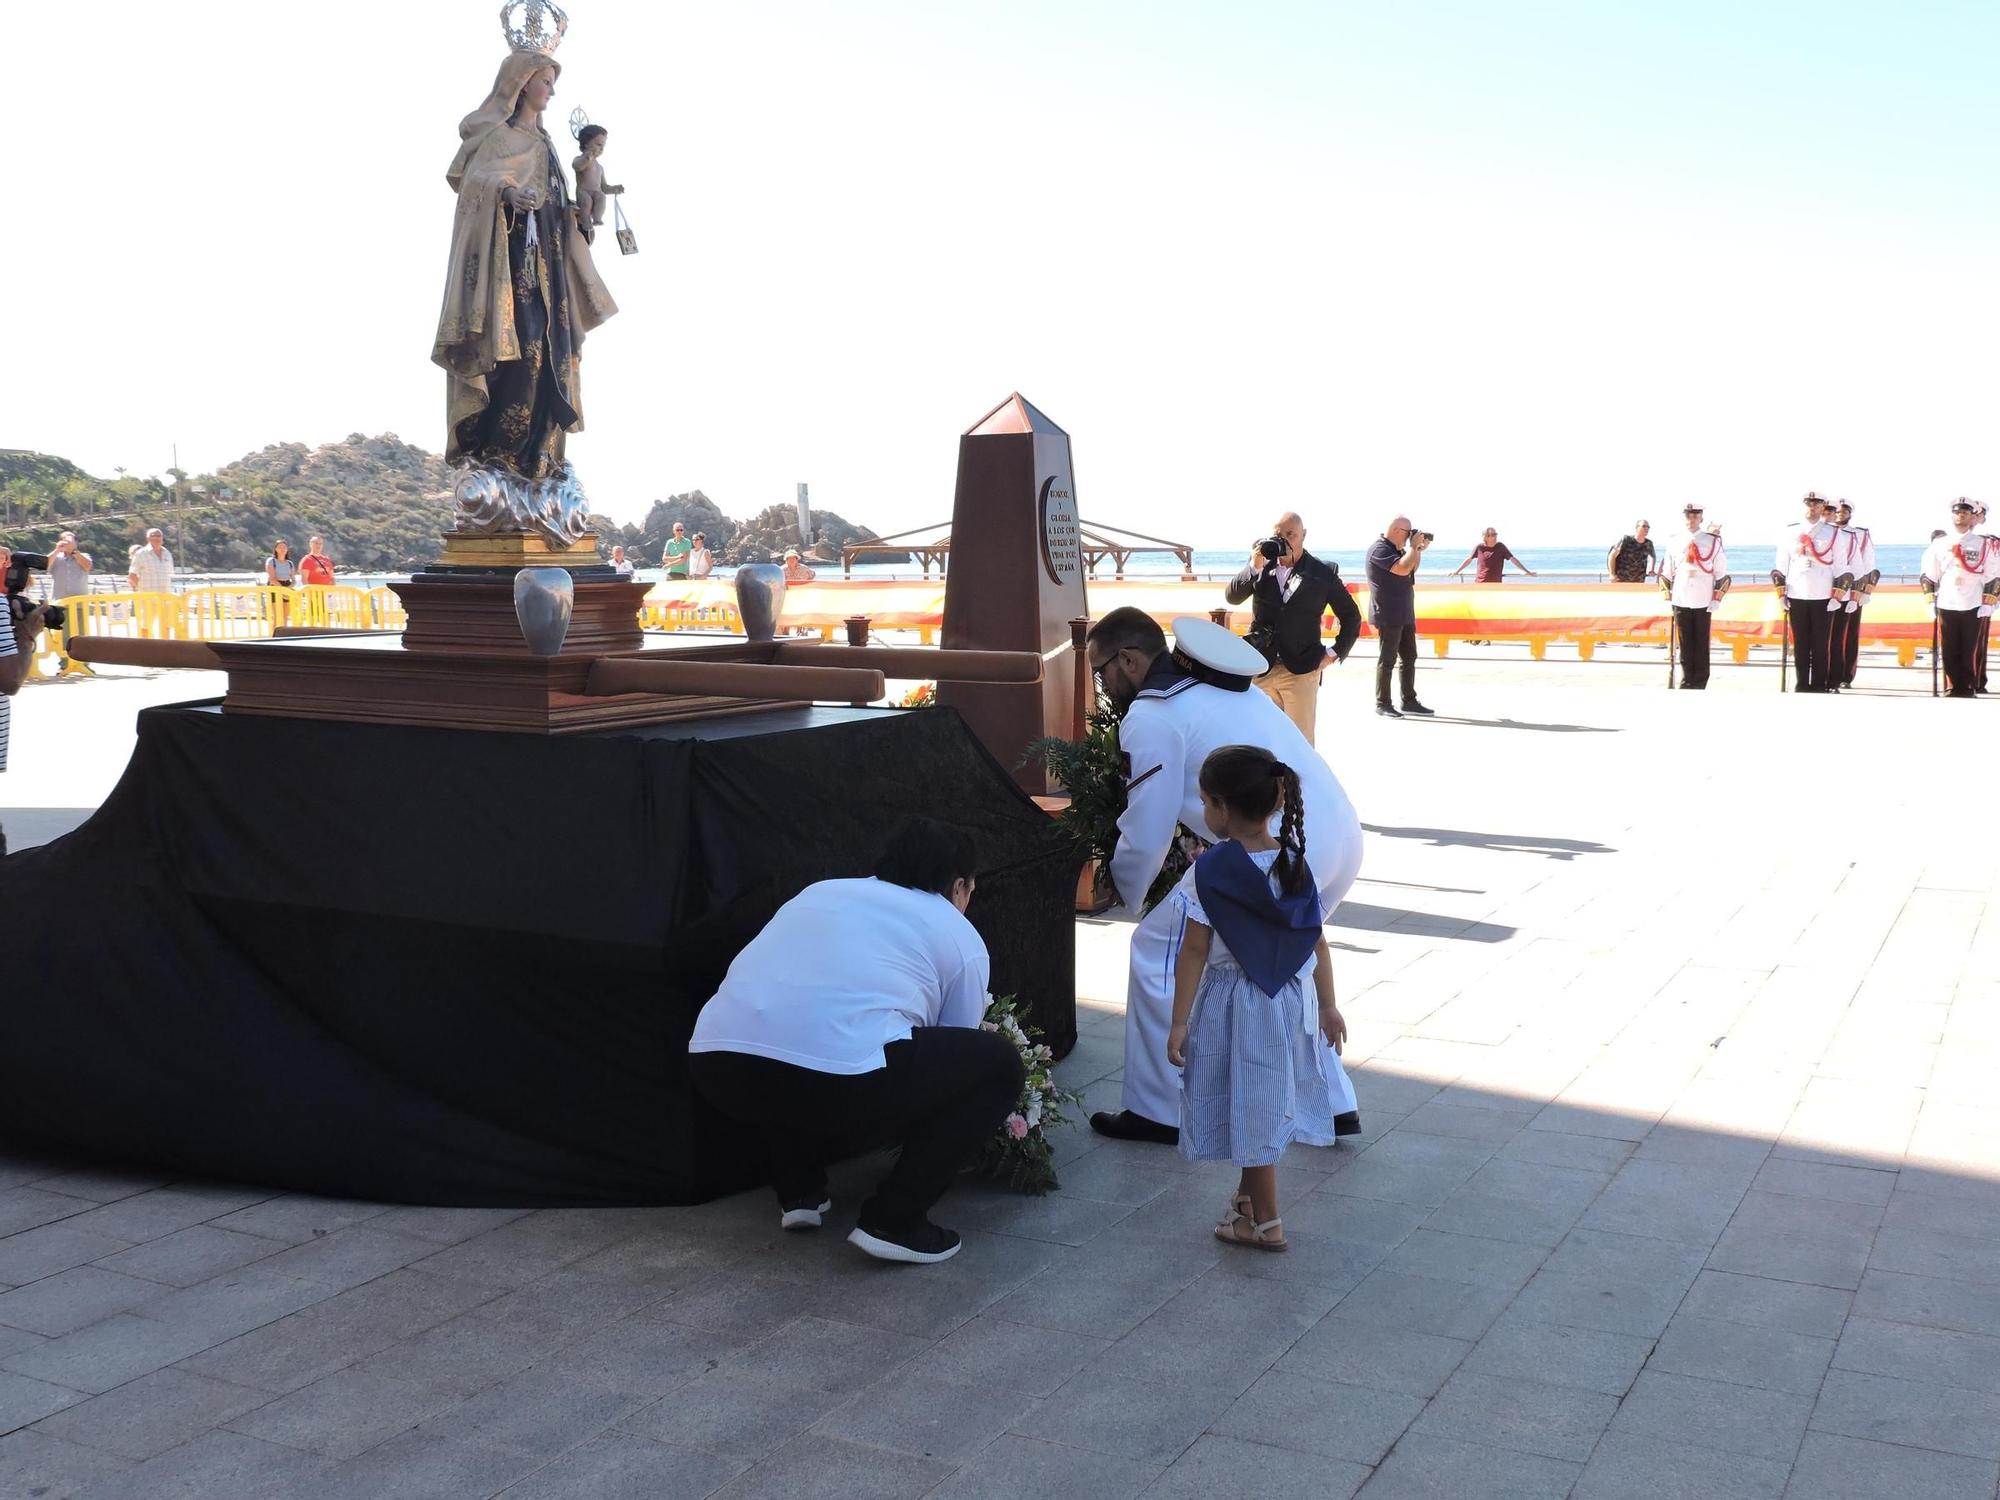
1176, 707
1992, 596
1803, 577
1695, 571
1856, 564
1962, 568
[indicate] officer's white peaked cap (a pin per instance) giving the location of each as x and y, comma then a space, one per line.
1216, 647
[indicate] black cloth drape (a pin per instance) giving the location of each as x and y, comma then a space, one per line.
447, 967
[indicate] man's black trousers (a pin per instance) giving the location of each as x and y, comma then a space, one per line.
943, 1094
1693, 627
1845, 651
1398, 644
1811, 636
1958, 632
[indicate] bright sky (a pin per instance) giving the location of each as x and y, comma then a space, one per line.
1548, 264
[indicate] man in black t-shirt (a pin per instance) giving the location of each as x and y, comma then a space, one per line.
1634, 559
1392, 609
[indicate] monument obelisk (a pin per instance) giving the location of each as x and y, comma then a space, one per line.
1016, 578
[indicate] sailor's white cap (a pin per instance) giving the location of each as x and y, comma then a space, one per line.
1216, 647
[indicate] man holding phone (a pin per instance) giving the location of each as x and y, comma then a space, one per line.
1291, 591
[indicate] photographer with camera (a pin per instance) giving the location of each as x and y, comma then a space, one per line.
1291, 592
69, 569
18, 630
1392, 609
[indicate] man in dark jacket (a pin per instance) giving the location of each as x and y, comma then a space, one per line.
1292, 593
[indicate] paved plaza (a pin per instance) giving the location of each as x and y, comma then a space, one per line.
1675, 1024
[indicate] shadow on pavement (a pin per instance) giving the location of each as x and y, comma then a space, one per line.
1508, 843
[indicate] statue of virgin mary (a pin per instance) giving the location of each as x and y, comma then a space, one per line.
521, 293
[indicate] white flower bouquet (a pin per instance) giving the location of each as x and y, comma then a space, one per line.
1019, 1151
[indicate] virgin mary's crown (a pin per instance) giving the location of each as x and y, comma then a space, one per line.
533, 25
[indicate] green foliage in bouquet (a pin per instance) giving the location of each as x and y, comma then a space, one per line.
1092, 770
1019, 1153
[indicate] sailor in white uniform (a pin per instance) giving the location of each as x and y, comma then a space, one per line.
1803, 576
1856, 563
1178, 706
1962, 568
1695, 571
1991, 595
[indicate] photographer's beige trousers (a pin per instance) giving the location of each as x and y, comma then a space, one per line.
1296, 694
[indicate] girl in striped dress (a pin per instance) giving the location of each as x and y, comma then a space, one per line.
1243, 1033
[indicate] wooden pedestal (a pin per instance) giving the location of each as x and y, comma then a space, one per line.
452, 610
377, 679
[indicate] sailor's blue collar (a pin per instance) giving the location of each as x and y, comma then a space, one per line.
1165, 678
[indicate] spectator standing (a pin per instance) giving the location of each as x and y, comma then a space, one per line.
675, 553
1290, 595
13, 662
795, 570
152, 566
1489, 559
701, 561
1634, 559
316, 568
1392, 609
69, 569
620, 564
280, 572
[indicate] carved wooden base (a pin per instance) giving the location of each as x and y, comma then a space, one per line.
474, 612
374, 679
514, 549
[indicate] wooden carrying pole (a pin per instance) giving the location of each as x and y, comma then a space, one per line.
122, 651
913, 661
611, 675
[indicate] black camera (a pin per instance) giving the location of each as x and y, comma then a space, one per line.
1272, 548
1425, 537
19, 606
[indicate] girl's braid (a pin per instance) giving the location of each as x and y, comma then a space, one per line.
1291, 863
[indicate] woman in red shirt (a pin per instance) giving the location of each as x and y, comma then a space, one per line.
316, 568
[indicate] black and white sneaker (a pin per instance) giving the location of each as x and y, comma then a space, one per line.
804, 1215
924, 1244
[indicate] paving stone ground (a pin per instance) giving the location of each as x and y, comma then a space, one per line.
1676, 1023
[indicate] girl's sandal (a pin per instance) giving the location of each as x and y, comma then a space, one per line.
1238, 1210
1240, 1229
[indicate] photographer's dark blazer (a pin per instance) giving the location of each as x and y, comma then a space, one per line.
1287, 630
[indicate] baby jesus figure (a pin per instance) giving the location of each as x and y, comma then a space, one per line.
592, 191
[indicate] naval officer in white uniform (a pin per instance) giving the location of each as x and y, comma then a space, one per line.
1803, 576
1176, 707
1695, 570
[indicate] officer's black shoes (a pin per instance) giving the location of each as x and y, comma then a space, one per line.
1347, 1124
1386, 711
1414, 707
1126, 1126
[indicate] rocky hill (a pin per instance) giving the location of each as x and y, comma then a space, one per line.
379, 502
